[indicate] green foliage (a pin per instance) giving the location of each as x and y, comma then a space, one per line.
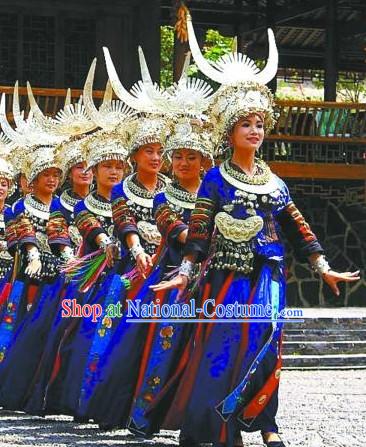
166, 55
215, 46
350, 88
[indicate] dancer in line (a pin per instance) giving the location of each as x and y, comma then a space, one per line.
188, 151
37, 283
106, 393
231, 381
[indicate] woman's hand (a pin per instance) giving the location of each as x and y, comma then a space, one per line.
179, 282
33, 268
143, 262
111, 253
333, 278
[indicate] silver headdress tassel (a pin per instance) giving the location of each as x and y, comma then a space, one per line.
105, 145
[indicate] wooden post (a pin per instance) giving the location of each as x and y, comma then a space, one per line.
180, 51
60, 51
330, 81
20, 19
109, 34
149, 35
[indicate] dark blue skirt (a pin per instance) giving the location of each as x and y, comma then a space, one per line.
25, 340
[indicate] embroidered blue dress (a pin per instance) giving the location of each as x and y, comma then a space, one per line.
8, 243
93, 216
6, 259
108, 383
62, 231
231, 380
165, 345
31, 305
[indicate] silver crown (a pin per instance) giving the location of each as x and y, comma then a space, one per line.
102, 146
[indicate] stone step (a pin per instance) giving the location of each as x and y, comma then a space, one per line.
323, 367
318, 347
326, 360
324, 335
327, 338
327, 324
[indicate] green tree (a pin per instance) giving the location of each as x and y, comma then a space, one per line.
215, 46
166, 55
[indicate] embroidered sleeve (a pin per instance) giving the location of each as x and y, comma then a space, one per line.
169, 222
87, 224
123, 218
57, 228
10, 230
25, 231
298, 232
201, 223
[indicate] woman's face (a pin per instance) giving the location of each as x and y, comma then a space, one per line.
109, 173
248, 133
79, 177
186, 164
47, 181
148, 158
4, 188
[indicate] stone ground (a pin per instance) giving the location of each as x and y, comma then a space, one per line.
320, 408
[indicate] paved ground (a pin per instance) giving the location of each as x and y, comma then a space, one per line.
317, 409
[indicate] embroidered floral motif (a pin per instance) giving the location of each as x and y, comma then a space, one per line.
148, 396
166, 333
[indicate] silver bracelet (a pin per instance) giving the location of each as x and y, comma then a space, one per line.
67, 253
33, 254
104, 241
136, 250
186, 268
320, 265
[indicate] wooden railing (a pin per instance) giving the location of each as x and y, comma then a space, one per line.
318, 121
50, 100
310, 140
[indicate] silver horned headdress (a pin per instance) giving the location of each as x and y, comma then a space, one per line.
243, 90
70, 121
111, 113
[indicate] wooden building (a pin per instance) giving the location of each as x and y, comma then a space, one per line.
51, 44
319, 147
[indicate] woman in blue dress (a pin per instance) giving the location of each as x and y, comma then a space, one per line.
132, 205
31, 300
7, 238
72, 158
231, 381
106, 155
65, 240
187, 149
